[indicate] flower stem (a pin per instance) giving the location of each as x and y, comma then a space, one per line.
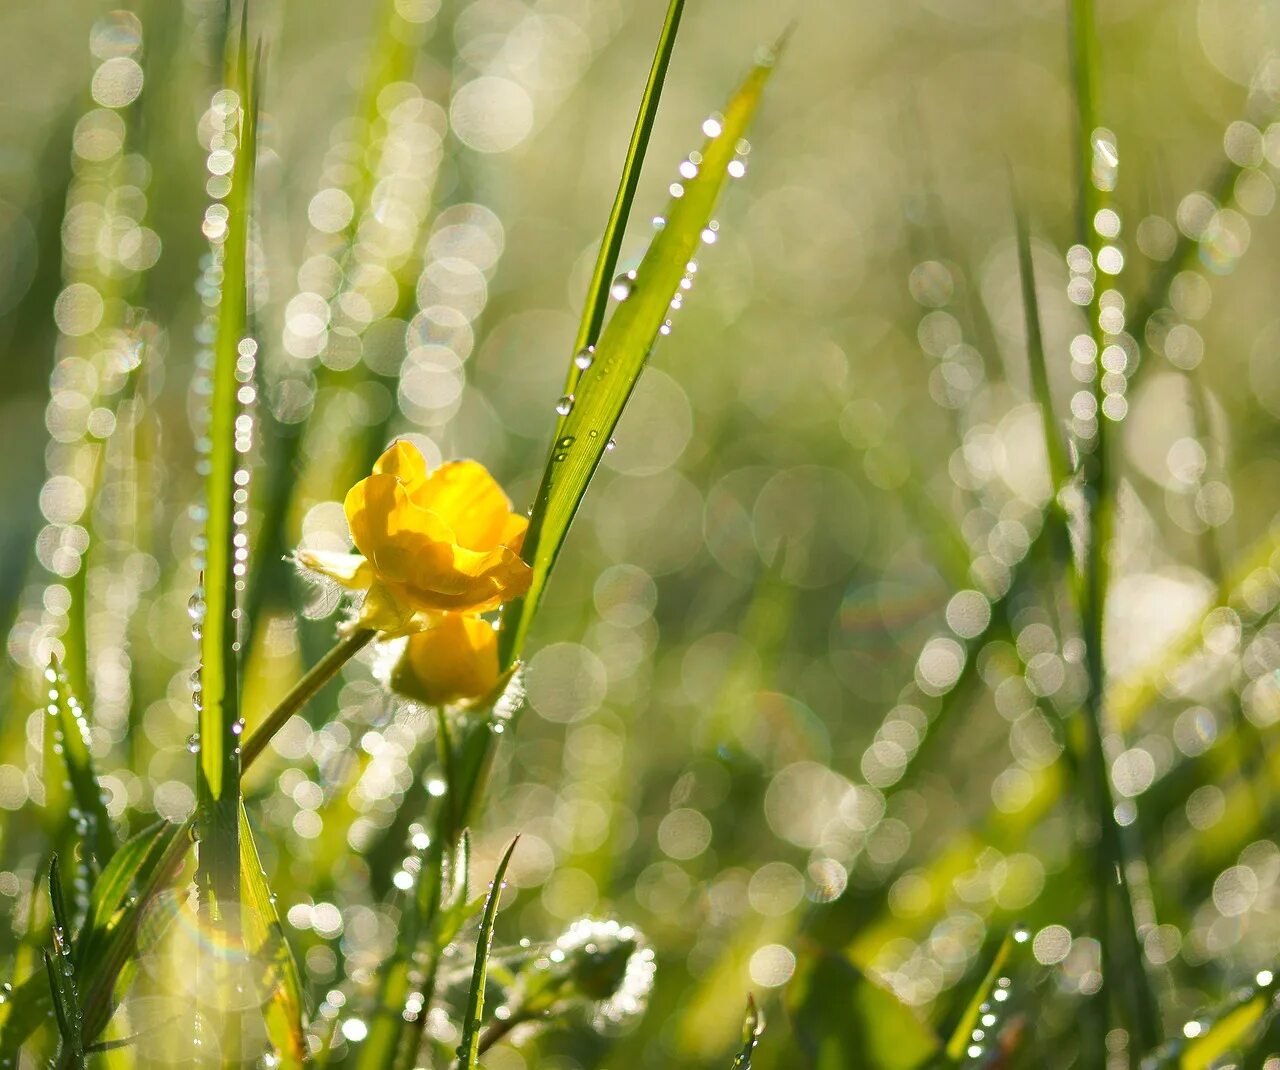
303, 692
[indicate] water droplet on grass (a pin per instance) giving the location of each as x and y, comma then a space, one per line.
565, 405
622, 286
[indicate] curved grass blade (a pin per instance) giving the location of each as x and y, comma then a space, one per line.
112, 888
611, 242
218, 779
963, 1032
265, 941
1232, 1029
60, 969
752, 1031
622, 352
1129, 995
469, 1049
1059, 468
72, 732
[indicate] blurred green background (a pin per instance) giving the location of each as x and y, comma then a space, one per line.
745, 735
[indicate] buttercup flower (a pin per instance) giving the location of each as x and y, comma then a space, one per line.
429, 543
454, 660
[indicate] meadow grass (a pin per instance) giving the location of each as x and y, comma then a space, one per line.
265, 845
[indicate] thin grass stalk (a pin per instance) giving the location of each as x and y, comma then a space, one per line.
469, 1048
1123, 967
218, 766
597, 300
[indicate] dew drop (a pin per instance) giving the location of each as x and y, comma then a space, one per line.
622, 286
611, 444
193, 743
584, 358
565, 405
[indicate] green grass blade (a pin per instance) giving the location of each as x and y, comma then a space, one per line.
611, 242
118, 941
963, 1032
218, 780
1241, 1023
469, 1049
72, 732
622, 352
752, 1030
112, 888
1059, 469
1128, 991
60, 968
265, 941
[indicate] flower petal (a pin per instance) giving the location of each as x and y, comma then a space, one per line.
350, 570
405, 462
456, 659
467, 498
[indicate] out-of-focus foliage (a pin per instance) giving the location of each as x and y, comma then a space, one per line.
803, 692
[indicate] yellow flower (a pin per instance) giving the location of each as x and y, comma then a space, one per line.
454, 660
428, 542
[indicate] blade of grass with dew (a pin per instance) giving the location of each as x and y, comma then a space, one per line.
1059, 469
752, 1031
1123, 962
143, 867
621, 354
60, 969
452, 911
287, 447
387, 1043
469, 1048
265, 941
611, 242
72, 733
1230, 1030
962, 1035
218, 777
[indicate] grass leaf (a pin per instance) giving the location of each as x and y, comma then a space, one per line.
1059, 469
960, 1036
60, 968
265, 941
623, 351
73, 733
218, 781
752, 1030
611, 242
469, 1049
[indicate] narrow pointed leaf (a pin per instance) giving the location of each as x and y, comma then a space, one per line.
622, 352
219, 762
65, 709
1231, 1030
960, 1036
611, 242
752, 1030
60, 968
265, 941
1059, 469
469, 1049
